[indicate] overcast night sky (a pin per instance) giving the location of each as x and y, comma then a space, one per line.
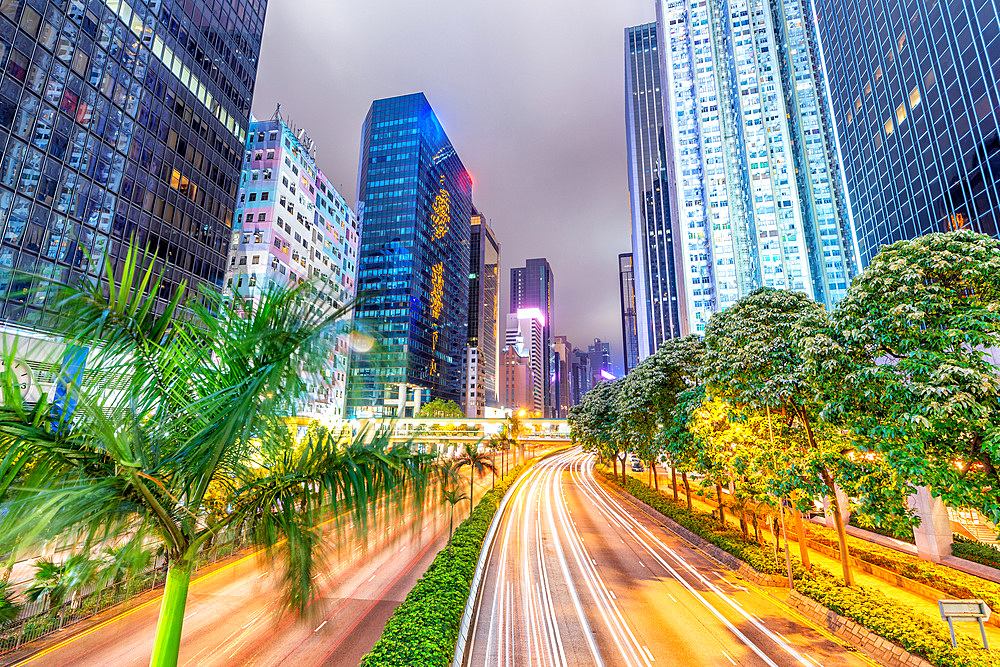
531, 93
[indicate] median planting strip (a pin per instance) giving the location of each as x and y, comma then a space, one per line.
873, 610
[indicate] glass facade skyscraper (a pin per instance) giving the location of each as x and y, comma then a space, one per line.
916, 98
415, 207
755, 180
656, 256
630, 334
120, 119
531, 286
482, 355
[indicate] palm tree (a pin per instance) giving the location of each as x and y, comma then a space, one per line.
192, 442
9, 610
512, 431
57, 581
478, 462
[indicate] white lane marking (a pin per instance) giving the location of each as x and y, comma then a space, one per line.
641, 565
190, 615
320, 626
612, 594
672, 597
372, 579
728, 658
649, 654
252, 621
813, 659
782, 636
264, 574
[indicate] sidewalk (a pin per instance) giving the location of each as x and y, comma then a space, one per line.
919, 603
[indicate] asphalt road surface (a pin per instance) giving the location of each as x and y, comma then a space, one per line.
576, 576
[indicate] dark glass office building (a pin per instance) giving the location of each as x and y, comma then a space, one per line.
120, 119
658, 305
916, 101
482, 356
630, 334
415, 207
531, 286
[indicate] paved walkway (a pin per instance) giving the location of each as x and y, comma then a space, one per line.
916, 602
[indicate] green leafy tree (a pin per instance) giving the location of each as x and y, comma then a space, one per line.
754, 359
208, 390
595, 424
905, 365
441, 408
9, 609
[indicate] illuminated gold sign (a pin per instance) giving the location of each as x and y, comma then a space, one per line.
441, 214
437, 290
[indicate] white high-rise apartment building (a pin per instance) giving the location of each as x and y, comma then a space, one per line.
756, 192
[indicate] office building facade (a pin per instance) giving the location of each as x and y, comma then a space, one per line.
118, 120
517, 389
756, 188
531, 286
916, 101
600, 362
563, 368
583, 378
525, 333
626, 292
654, 250
292, 226
415, 208
482, 355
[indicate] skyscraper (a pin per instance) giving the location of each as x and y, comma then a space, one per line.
659, 308
482, 352
756, 187
917, 106
563, 369
125, 119
583, 377
291, 226
600, 361
531, 286
415, 206
525, 334
626, 290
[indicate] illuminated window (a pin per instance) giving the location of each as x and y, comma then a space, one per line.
900, 114
914, 97
850, 117
888, 127
868, 88
901, 42
878, 75
857, 104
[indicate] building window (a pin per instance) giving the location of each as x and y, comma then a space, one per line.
888, 127
901, 42
256, 259
857, 104
914, 97
868, 89
929, 79
850, 117
261, 217
900, 114
878, 75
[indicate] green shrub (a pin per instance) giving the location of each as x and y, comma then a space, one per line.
976, 551
422, 632
704, 524
947, 580
892, 620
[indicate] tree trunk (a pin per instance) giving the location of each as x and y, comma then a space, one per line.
722, 508
472, 487
838, 520
656, 480
167, 643
624, 461
756, 527
801, 530
673, 479
687, 490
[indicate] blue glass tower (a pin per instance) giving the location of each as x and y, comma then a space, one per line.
120, 119
415, 206
916, 102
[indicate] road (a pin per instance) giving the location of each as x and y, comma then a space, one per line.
576, 577
231, 616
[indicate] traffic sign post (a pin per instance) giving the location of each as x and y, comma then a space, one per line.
965, 610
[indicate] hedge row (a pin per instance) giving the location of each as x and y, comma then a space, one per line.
947, 580
882, 615
423, 630
976, 551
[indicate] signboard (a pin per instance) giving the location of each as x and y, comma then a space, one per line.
965, 610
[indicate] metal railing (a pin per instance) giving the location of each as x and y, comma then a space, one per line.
37, 619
